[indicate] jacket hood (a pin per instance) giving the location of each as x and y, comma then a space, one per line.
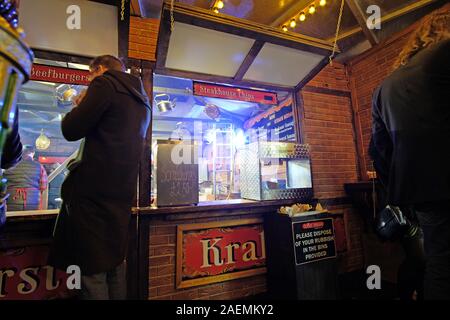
128, 83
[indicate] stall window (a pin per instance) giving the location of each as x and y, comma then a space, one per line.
218, 127
34, 184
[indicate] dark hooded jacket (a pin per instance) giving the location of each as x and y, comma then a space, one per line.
92, 227
411, 129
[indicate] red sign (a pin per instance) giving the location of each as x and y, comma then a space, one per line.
59, 75
231, 93
313, 225
59, 160
25, 275
218, 253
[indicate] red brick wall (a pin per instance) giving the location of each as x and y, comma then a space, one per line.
143, 38
162, 253
328, 128
366, 73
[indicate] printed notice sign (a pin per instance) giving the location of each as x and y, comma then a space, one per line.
313, 240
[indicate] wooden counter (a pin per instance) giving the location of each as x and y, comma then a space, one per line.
155, 246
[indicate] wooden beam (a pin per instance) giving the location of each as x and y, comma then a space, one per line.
360, 16
162, 45
294, 9
50, 55
322, 90
322, 64
251, 56
245, 28
385, 18
221, 79
136, 8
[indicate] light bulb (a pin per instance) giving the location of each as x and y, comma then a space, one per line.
220, 4
216, 10
293, 23
302, 16
42, 142
322, 2
284, 28
312, 9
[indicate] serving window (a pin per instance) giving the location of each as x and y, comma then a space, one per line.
218, 121
42, 104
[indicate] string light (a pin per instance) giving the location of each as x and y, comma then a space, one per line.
220, 4
309, 8
292, 24
302, 16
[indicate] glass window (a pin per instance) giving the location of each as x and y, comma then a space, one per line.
35, 182
219, 128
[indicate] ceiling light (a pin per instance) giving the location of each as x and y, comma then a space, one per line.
302, 16
293, 23
312, 9
220, 4
42, 142
322, 2
216, 10
284, 28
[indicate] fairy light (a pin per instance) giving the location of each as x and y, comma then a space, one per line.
293, 23
310, 8
302, 16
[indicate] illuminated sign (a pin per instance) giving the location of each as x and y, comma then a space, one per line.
232, 93
59, 75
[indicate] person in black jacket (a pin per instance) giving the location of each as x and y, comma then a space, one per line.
92, 227
410, 136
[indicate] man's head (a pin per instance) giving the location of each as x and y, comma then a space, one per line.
101, 64
28, 152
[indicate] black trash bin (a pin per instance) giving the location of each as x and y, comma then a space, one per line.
301, 257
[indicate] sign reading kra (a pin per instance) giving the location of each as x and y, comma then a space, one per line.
219, 251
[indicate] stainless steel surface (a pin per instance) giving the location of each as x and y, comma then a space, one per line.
251, 177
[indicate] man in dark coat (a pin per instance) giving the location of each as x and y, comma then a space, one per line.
92, 227
410, 142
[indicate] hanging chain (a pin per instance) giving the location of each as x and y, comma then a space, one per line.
172, 20
337, 32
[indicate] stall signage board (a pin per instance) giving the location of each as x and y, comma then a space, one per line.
277, 123
25, 275
177, 174
313, 240
59, 75
219, 251
232, 93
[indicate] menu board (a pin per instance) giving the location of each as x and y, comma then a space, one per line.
177, 175
276, 124
313, 240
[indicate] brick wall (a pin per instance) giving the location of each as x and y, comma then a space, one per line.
162, 255
366, 73
143, 38
328, 128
